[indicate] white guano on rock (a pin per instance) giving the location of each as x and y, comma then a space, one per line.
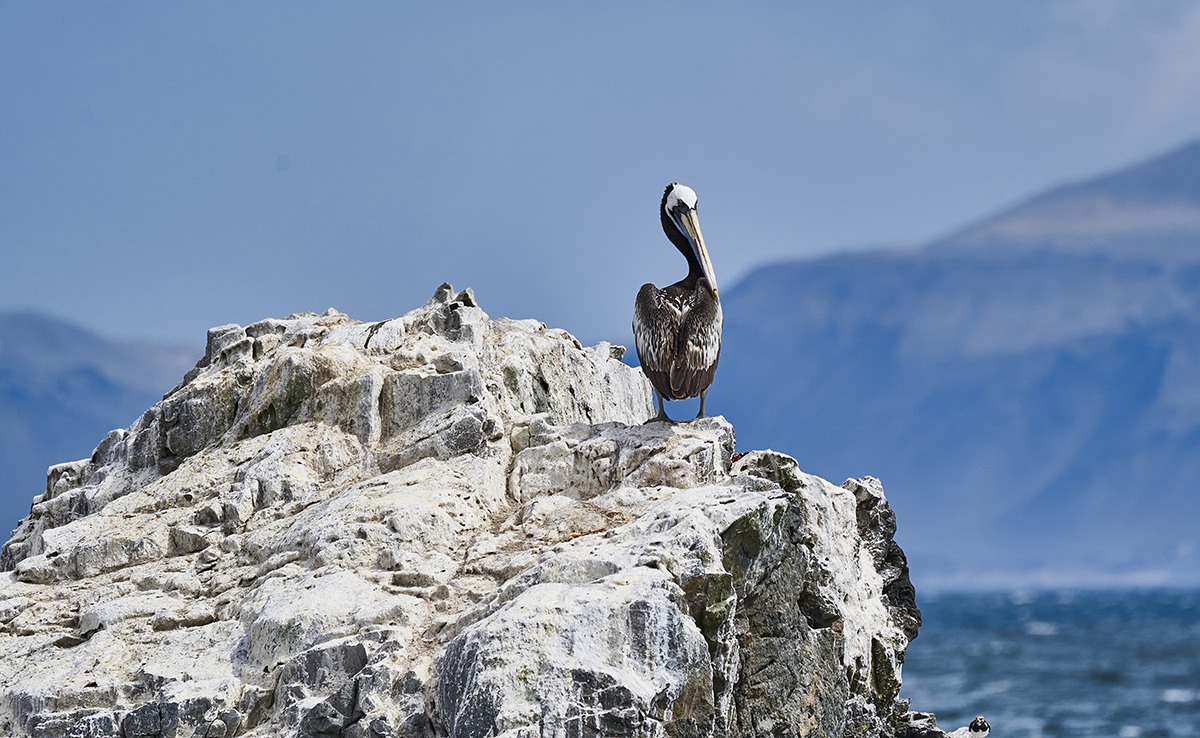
444, 525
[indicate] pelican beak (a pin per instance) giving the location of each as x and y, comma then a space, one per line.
689, 224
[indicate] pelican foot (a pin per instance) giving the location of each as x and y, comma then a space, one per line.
662, 413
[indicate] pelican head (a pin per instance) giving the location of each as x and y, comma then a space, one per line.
679, 214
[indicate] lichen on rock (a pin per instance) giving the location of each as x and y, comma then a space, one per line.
444, 525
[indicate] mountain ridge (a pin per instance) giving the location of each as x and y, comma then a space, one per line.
1152, 207
1036, 389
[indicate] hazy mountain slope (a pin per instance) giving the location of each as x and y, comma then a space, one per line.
61, 389
1032, 401
1149, 208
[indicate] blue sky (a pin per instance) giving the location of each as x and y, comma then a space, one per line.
169, 167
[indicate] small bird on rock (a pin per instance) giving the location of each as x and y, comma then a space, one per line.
978, 728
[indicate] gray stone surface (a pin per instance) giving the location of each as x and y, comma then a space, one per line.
444, 525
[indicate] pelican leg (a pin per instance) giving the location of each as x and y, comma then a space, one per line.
701, 413
662, 414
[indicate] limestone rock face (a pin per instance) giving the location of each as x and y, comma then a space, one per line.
444, 525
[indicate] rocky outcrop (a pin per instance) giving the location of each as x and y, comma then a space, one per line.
444, 525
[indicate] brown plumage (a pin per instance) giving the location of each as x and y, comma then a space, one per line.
677, 330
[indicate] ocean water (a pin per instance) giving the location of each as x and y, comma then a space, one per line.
1087, 664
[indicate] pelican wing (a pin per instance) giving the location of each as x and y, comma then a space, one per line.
678, 337
699, 345
656, 321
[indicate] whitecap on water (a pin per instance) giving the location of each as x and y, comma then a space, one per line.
1179, 695
1040, 628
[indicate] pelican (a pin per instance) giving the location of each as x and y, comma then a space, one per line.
677, 329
